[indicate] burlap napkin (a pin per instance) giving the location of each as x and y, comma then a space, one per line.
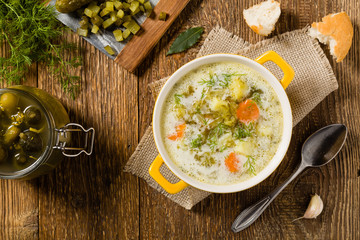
314, 80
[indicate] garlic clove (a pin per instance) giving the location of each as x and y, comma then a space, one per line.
314, 209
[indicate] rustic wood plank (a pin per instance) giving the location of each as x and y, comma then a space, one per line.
19, 201
152, 30
337, 183
91, 197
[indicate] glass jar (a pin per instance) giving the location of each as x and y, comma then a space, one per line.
56, 137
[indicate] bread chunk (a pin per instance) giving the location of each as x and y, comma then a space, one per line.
262, 17
336, 31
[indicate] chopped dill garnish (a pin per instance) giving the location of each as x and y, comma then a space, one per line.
212, 142
177, 98
226, 81
203, 93
31, 31
211, 82
197, 142
219, 129
228, 75
223, 82
256, 97
214, 135
205, 121
250, 165
223, 148
197, 109
243, 131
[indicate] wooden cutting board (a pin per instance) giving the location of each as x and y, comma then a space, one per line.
153, 29
132, 52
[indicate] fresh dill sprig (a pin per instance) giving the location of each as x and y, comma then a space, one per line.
223, 81
205, 121
256, 95
214, 135
198, 109
178, 98
223, 148
250, 165
30, 29
243, 131
211, 82
203, 94
226, 80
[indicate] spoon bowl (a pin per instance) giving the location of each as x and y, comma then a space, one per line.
323, 145
319, 149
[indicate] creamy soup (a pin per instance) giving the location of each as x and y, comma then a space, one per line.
222, 123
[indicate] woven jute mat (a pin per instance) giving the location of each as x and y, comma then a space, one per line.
314, 80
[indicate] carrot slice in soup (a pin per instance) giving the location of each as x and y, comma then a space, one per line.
180, 129
232, 163
173, 137
248, 111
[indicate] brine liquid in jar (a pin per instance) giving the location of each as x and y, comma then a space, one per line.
24, 131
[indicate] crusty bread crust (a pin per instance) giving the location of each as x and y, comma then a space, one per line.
339, 27
260, 29
256, 29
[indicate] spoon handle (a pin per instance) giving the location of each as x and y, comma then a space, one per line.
250, 214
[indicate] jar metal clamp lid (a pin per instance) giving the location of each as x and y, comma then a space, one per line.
74, 127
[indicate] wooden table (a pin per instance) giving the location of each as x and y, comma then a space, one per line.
92, 198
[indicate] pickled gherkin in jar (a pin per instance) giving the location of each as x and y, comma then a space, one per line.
24, 131
35, 145
11, 134
30, 141
8, 103
32, 115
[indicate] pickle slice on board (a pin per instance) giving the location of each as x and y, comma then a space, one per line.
105, 37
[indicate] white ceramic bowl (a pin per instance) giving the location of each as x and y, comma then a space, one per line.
277, 85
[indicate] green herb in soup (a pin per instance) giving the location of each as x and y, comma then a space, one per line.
222, 123
23, 132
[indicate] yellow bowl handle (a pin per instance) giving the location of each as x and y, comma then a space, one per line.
284, 66
154, 172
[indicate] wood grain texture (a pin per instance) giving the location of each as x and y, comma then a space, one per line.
19, 201
87, 197
151, 31
212, 218
91, 197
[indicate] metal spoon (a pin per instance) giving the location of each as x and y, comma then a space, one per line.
319, 149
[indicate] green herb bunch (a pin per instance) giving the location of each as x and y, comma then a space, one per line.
30, 29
